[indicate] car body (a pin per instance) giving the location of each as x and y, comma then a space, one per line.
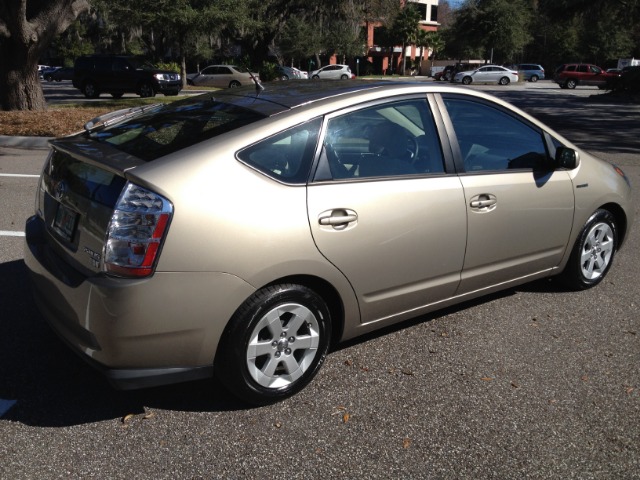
59, 74
239, 235
487, 74
333, 72
571, 75
221, 76
629, 80
120, 74
531, 72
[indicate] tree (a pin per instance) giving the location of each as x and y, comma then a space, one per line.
27, 28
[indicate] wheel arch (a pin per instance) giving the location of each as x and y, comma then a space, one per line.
328, 293
621, 220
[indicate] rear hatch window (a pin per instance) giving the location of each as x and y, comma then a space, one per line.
165, 129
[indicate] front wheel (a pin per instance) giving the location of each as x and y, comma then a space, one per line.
274, 344
534, 78
593, 252
90, 90
466, 80
146, 90
504, 81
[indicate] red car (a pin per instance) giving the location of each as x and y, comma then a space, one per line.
570, 75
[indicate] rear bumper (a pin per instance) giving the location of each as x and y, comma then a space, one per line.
138, 333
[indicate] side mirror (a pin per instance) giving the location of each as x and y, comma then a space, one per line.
567, 158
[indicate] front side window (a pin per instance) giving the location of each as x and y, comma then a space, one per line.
491, 139
388, 140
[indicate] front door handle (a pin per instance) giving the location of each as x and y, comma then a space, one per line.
484, 201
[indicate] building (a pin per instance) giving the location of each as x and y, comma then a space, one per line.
388, 60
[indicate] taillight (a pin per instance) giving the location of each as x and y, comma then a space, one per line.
136, 231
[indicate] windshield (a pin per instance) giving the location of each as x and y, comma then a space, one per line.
167, 128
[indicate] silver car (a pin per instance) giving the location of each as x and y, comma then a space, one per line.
333, 72
238, 236
221, 76
487, 74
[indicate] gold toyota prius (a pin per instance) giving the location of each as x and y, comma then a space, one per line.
238, 234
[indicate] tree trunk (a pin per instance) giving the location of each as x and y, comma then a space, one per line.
23, 40
21, 89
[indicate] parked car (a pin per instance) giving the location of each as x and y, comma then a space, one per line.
120, 74
59, 74
570, 75
240, 235
445, 74
335, 72
288, 73
221, 76
42, 68
531, 72
487, 74
629, 80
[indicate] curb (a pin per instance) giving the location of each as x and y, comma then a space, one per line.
30, 143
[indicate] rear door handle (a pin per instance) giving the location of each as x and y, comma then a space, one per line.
338, 218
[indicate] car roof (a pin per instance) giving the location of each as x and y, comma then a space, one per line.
277, 97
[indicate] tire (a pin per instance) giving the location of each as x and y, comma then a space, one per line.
571, 83
534, 78
48, 78
146, 90
274, 344
504, 81
315, 77
593, 253
344, 77
234, 84
466, 81
90, 90
284, 77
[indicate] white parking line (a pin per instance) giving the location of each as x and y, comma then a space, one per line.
18, 175
8, 233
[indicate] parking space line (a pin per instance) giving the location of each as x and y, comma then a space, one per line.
24, 175
8, 233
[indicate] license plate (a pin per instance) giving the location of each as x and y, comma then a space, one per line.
65, 222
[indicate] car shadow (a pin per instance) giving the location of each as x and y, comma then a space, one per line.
43, 383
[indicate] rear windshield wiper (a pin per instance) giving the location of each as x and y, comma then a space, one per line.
117, 116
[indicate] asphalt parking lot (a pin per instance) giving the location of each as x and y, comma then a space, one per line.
529, 383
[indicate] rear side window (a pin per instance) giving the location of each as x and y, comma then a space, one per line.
286, 156
166, 129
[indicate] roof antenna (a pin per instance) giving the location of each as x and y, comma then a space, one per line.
259, 86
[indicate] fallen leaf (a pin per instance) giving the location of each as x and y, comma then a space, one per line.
277, 424
348, 362
148, 416
486, 379
406, 443
127, 417
345, 418
584, 378
515, 385
629, 390
407, 372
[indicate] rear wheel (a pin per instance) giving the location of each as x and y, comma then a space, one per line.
274, 344
466, 80
90, 90
593, 252
504, 81
571, 83
234, 84
344, 76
